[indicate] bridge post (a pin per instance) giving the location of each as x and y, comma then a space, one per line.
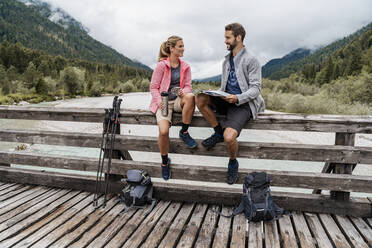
344, 139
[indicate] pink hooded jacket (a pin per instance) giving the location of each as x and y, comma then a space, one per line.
161, 79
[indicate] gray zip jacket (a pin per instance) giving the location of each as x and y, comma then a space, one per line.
248, 73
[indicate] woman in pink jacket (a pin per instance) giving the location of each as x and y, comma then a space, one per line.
172, 73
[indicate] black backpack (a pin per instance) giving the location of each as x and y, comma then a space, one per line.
257, 202
138, 191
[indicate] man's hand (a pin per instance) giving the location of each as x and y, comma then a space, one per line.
231, 98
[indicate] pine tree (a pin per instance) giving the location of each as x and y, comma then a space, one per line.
31, 75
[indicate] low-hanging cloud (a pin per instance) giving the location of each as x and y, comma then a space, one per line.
274, 28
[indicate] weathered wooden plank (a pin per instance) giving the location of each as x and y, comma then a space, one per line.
196, 193
28, 201
309, 180
70, 237
35, 214
8, 189
22, 197
255, 234
364, 229
318, 231
271, 234
239, 231
146, 226
175, 230
111, 230
6, 185
162, 226
258, 150
131, 226
103, 222
351, 233
291, 122
221, 238
333, 231
40, 228
208, 228
302, 230
28, 210
287, 232
190, 234
13, 191
70, 225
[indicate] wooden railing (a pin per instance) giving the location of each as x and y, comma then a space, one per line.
340, 159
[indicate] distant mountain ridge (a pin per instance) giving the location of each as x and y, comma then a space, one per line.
275, 65
37, 25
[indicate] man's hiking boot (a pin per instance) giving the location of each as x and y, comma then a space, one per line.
212, 141
165, 170
232, 171
190, 142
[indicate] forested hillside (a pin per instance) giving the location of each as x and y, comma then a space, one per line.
34, 76
30, 26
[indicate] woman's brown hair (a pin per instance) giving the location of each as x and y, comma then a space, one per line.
166, 45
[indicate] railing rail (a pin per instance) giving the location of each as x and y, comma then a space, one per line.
340, 158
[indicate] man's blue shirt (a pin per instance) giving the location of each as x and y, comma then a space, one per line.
232, 85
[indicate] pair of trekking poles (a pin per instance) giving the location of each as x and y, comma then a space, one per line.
110, 125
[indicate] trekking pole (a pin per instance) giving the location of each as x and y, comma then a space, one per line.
99, 170
112, 143
105, 136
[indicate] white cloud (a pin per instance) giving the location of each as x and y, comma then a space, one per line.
274, 28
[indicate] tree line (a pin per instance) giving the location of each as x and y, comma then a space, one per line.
26, 72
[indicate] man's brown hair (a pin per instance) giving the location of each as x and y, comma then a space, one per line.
237, 29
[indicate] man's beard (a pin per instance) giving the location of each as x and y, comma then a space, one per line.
232, 46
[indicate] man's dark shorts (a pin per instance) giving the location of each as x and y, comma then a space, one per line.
236, 116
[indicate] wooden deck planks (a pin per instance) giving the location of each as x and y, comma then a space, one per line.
19, 207
255, 237
190, 234
351, 233
208, 230
73, 235
239, 230
32, 215
62, 218
302, 231
110, 231
146, 227
175, 230
52, 220
162, 226
333, 231
363, 228
287, 232
66, 227
318, 231
13, 191
271, 234
221, 238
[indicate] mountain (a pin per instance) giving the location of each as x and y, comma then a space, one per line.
210, 79
319, 56
275, 65
37, 25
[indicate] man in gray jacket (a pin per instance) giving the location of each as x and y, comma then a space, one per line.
241, 79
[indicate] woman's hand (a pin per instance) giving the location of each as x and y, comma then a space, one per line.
180, 93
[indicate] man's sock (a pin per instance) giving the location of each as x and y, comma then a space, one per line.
218, 129
185, 127
164, 159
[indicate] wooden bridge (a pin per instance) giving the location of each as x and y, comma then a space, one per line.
40, 208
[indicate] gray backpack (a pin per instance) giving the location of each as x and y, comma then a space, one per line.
138, 191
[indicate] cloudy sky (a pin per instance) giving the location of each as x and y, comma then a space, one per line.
274, 28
